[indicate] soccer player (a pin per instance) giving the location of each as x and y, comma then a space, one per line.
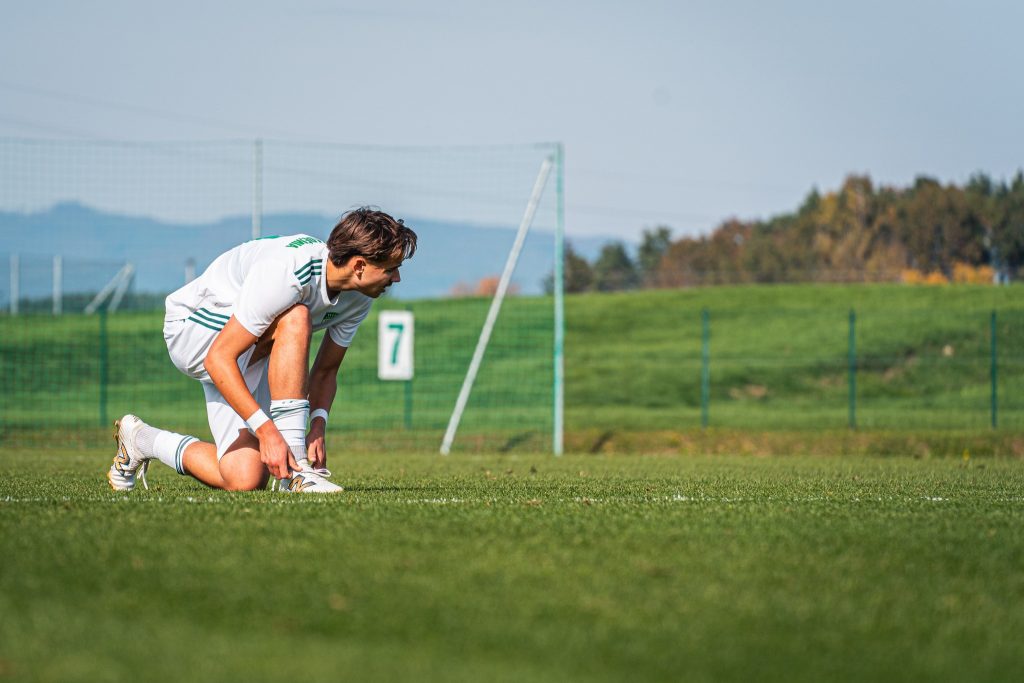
243, 330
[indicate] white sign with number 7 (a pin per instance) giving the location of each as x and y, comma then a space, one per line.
395, 345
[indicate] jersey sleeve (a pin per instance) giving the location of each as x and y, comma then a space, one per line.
270, 288
342, 333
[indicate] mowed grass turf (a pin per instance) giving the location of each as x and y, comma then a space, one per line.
519, 568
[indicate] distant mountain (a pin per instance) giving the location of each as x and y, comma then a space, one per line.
93, 243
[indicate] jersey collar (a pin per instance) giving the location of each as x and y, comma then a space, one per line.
323, 283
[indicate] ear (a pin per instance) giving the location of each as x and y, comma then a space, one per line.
358, 264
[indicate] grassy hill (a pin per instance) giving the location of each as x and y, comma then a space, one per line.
778, 361
779, 355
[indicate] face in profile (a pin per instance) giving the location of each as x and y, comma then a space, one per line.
375, 278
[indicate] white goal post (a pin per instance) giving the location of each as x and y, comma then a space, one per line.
495, 308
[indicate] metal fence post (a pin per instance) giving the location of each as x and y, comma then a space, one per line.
407, 390
15, 281
994, 371
852, 365
705, 367
257, 188
558, 292
104, 366
58, 284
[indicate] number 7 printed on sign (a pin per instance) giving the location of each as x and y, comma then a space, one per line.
395, 345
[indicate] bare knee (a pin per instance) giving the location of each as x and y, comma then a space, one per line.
241, 468
249, 482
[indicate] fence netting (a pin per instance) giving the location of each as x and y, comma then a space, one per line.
95, 234
747, 369
74, 215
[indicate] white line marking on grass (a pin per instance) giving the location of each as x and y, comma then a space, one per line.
228, 499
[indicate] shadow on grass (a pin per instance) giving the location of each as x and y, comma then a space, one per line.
601, 440
515, 440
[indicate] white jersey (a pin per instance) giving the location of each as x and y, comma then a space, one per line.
259, 280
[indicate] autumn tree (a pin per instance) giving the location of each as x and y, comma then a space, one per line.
652, 249
614, 270
579, 276
1000, 208
485, 286
859, 232
938, 227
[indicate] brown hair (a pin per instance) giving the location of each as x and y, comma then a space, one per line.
372, 234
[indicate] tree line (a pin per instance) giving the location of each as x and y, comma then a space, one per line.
925, 232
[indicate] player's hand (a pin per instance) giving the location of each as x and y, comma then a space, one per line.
274, 452
316, 446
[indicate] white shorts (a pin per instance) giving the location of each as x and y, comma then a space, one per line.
188, 343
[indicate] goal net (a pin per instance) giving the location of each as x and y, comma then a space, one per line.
168, 209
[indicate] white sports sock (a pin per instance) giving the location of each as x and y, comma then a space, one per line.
290, 416
167, 447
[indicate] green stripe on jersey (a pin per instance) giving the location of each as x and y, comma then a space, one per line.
306, 272
304, 280
206, 324
213, 316
310, 265
209, 320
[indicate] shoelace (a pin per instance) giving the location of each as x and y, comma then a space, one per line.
143, 468
322, 471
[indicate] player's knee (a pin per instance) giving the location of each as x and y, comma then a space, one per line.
251, 480
241, 468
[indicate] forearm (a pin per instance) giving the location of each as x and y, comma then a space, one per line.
323, 387
274, 452
226, 376
323, 377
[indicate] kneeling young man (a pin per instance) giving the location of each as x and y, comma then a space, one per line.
243, 330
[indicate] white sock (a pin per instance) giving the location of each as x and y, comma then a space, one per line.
167, 447
290, 416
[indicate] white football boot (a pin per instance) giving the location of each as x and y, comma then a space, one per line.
128, 460
308, 479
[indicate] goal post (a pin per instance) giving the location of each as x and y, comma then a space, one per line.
157, 205
558, 292
495, 308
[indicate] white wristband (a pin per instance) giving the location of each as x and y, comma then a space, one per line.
257, 420
319, 412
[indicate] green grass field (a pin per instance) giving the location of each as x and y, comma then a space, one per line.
519, 568
665, 554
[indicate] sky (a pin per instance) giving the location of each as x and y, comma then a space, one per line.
676, 113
